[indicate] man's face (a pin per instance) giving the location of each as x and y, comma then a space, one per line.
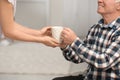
106, 7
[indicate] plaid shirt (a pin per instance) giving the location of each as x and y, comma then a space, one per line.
100, 49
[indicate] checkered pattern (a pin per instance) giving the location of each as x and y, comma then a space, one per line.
100, 49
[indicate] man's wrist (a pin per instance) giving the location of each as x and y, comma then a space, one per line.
65, 47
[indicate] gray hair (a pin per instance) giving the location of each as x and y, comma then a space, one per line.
117, 0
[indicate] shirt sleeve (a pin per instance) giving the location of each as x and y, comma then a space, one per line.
11, 1
70, 55
101, 60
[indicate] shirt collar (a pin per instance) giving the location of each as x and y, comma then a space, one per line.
113, 25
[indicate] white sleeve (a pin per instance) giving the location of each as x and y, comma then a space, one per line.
13, 2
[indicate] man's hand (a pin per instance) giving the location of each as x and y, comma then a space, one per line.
68, 36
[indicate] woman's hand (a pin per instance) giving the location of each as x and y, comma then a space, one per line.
47, 38
46, 31
49, 41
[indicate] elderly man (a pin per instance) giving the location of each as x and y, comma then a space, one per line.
101, 47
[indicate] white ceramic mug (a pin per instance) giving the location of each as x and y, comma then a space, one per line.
56, 32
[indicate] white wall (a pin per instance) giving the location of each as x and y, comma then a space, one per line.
76, 14
39, 13
56, 12
80, 15
33, 13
